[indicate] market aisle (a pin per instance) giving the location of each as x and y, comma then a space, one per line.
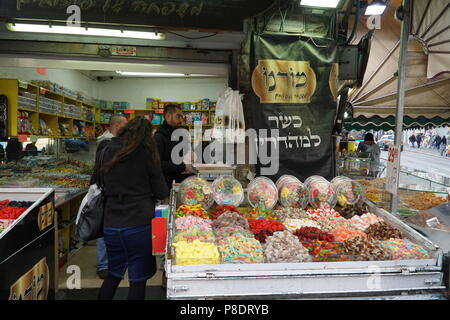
86, 259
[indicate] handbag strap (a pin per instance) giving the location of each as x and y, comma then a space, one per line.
101, 178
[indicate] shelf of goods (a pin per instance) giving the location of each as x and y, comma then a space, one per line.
34, 110
68, 179
27, 244
224, 251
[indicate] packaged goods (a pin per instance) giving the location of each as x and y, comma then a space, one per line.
283, 246
262, 193
228, 191
196, 252
195, 190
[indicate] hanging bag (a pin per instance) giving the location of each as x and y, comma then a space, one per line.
89, 223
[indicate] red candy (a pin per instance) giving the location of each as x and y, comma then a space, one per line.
11, 212
263, 228
215, 213
311, 233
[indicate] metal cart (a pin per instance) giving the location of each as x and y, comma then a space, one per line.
353, 279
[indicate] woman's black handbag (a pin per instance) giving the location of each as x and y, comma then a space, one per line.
89, 225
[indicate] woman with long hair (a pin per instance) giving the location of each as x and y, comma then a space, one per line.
132, 179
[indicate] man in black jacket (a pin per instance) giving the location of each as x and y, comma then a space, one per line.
173, 119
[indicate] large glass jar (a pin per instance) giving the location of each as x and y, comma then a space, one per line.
348, 191
194, 190
228, 190
262, 193
321, 193
291, 192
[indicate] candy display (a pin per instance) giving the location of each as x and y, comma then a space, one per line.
317, 213
283, 246
351, 210
290, 213
263, 228
224, 232
227, 190
239, 249
366, 249
256, 213
423, 200
291, 192
348, 191
228, 219
185, 223
403, 249
262, 193
364, 221
196, 211
321, 193
342, 233
11, 210
196, 252
326, 250
215, 212
194, 233
294, 224
383, 231
195, 190
312, 233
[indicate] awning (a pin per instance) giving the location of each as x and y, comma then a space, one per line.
376, 122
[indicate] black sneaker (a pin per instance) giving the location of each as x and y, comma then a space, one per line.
102, 274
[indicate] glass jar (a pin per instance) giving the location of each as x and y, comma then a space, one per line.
321, 193
291, 192
194, 190
348, 191
262, 193
227, 190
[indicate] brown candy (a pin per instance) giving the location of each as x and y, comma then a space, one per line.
383, 231
228, 219
365, 249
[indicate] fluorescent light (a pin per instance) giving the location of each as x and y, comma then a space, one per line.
42, 28
160, 74
320, 3
376, 8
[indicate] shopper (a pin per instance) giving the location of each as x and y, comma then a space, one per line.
14, 150
133, 180
31, 149
116, 122
173, 119
443, 144
437, 142
412, 139
369, 145
419, 140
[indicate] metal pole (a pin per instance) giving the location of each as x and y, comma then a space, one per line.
401, 87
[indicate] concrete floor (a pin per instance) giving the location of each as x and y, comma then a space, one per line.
86, 260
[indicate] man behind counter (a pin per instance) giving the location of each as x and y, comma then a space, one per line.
173, 119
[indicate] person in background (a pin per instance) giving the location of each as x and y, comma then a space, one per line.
437, 142
173, 119
116, 122
2, 153
31, 149
412, 139
133, 181
14, 150
443, 144
369, 145
419, 140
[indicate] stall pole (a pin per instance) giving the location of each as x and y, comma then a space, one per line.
406, 20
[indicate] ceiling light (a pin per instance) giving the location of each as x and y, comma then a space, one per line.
85, 31
320, 3
376, 8
160, 74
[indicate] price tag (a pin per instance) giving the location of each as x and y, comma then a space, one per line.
129, 111
123, 51
22, 137
393, 170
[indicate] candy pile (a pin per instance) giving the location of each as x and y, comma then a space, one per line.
330, 222
239, 249
193, 234
283, 246
290, 213
224, 232
342, 233
364, 221
352, 210
402, 249
195, 210
230, 219
263, 228
195, 190
383, 231
365, 249
185, 223
291, 192
262, 193
227, 190
326, 251
196, 252
214, 213
317, 213
256, 213
294, 224
311, 233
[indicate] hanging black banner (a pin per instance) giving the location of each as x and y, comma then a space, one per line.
294, 90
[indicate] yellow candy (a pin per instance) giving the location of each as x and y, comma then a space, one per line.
196, 252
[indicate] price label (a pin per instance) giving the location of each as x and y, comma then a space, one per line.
393, 170
123, 51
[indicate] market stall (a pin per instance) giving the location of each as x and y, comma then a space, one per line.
248, 244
